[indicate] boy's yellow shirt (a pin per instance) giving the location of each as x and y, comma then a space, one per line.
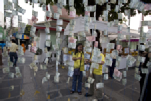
77, 62
99, 70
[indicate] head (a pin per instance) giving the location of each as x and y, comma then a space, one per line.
13, 41
79, 48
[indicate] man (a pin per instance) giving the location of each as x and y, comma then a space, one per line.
12, 52
97, 75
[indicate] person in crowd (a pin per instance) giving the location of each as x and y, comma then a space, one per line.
1, 63
147, 91
78, 58
147, 56
97, 75
24, 48
12, 52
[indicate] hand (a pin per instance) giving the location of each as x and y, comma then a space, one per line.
79, 58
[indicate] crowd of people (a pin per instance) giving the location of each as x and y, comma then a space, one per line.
79, 62
97, 75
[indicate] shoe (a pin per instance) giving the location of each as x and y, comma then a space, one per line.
71, 92
88, 95
80, 93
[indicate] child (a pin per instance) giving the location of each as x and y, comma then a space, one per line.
78, 58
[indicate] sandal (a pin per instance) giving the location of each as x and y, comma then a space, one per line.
71, 92
80, 93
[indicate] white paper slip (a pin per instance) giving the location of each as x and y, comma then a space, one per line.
11, 75
44, 80
59, 29
99, 85
56, 79
106, 77
41, 66
145, 70
47, 30
124, 73
47, 75
60, 22
124, 81
6, 70
87, 85
18, 75
56, 15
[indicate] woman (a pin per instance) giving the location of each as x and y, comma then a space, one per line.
78, 58
143, 77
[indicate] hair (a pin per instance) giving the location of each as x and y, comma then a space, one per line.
76, 50
13, 41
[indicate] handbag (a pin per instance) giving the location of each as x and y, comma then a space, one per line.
77, 70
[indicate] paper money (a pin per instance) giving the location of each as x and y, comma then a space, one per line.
87, 85
124, 81
44, 80
56, 15
84, 73
145, 70
11, 75
148, 64
71, 2
108, 62
91, 80
95, 65
6, 70
11, 88
18, 75
106, 77
137, 77
59, 29
55, 47
44, 67
56, 79
60, 22
105, 70
65, 50
87, 56
124, 73
41, 66
47, 75
99, 85
70, 73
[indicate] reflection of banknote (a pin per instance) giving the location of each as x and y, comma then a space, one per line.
32, 65
6, 70
124, 81
18, 75
117, 74
11, 75
137, 77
